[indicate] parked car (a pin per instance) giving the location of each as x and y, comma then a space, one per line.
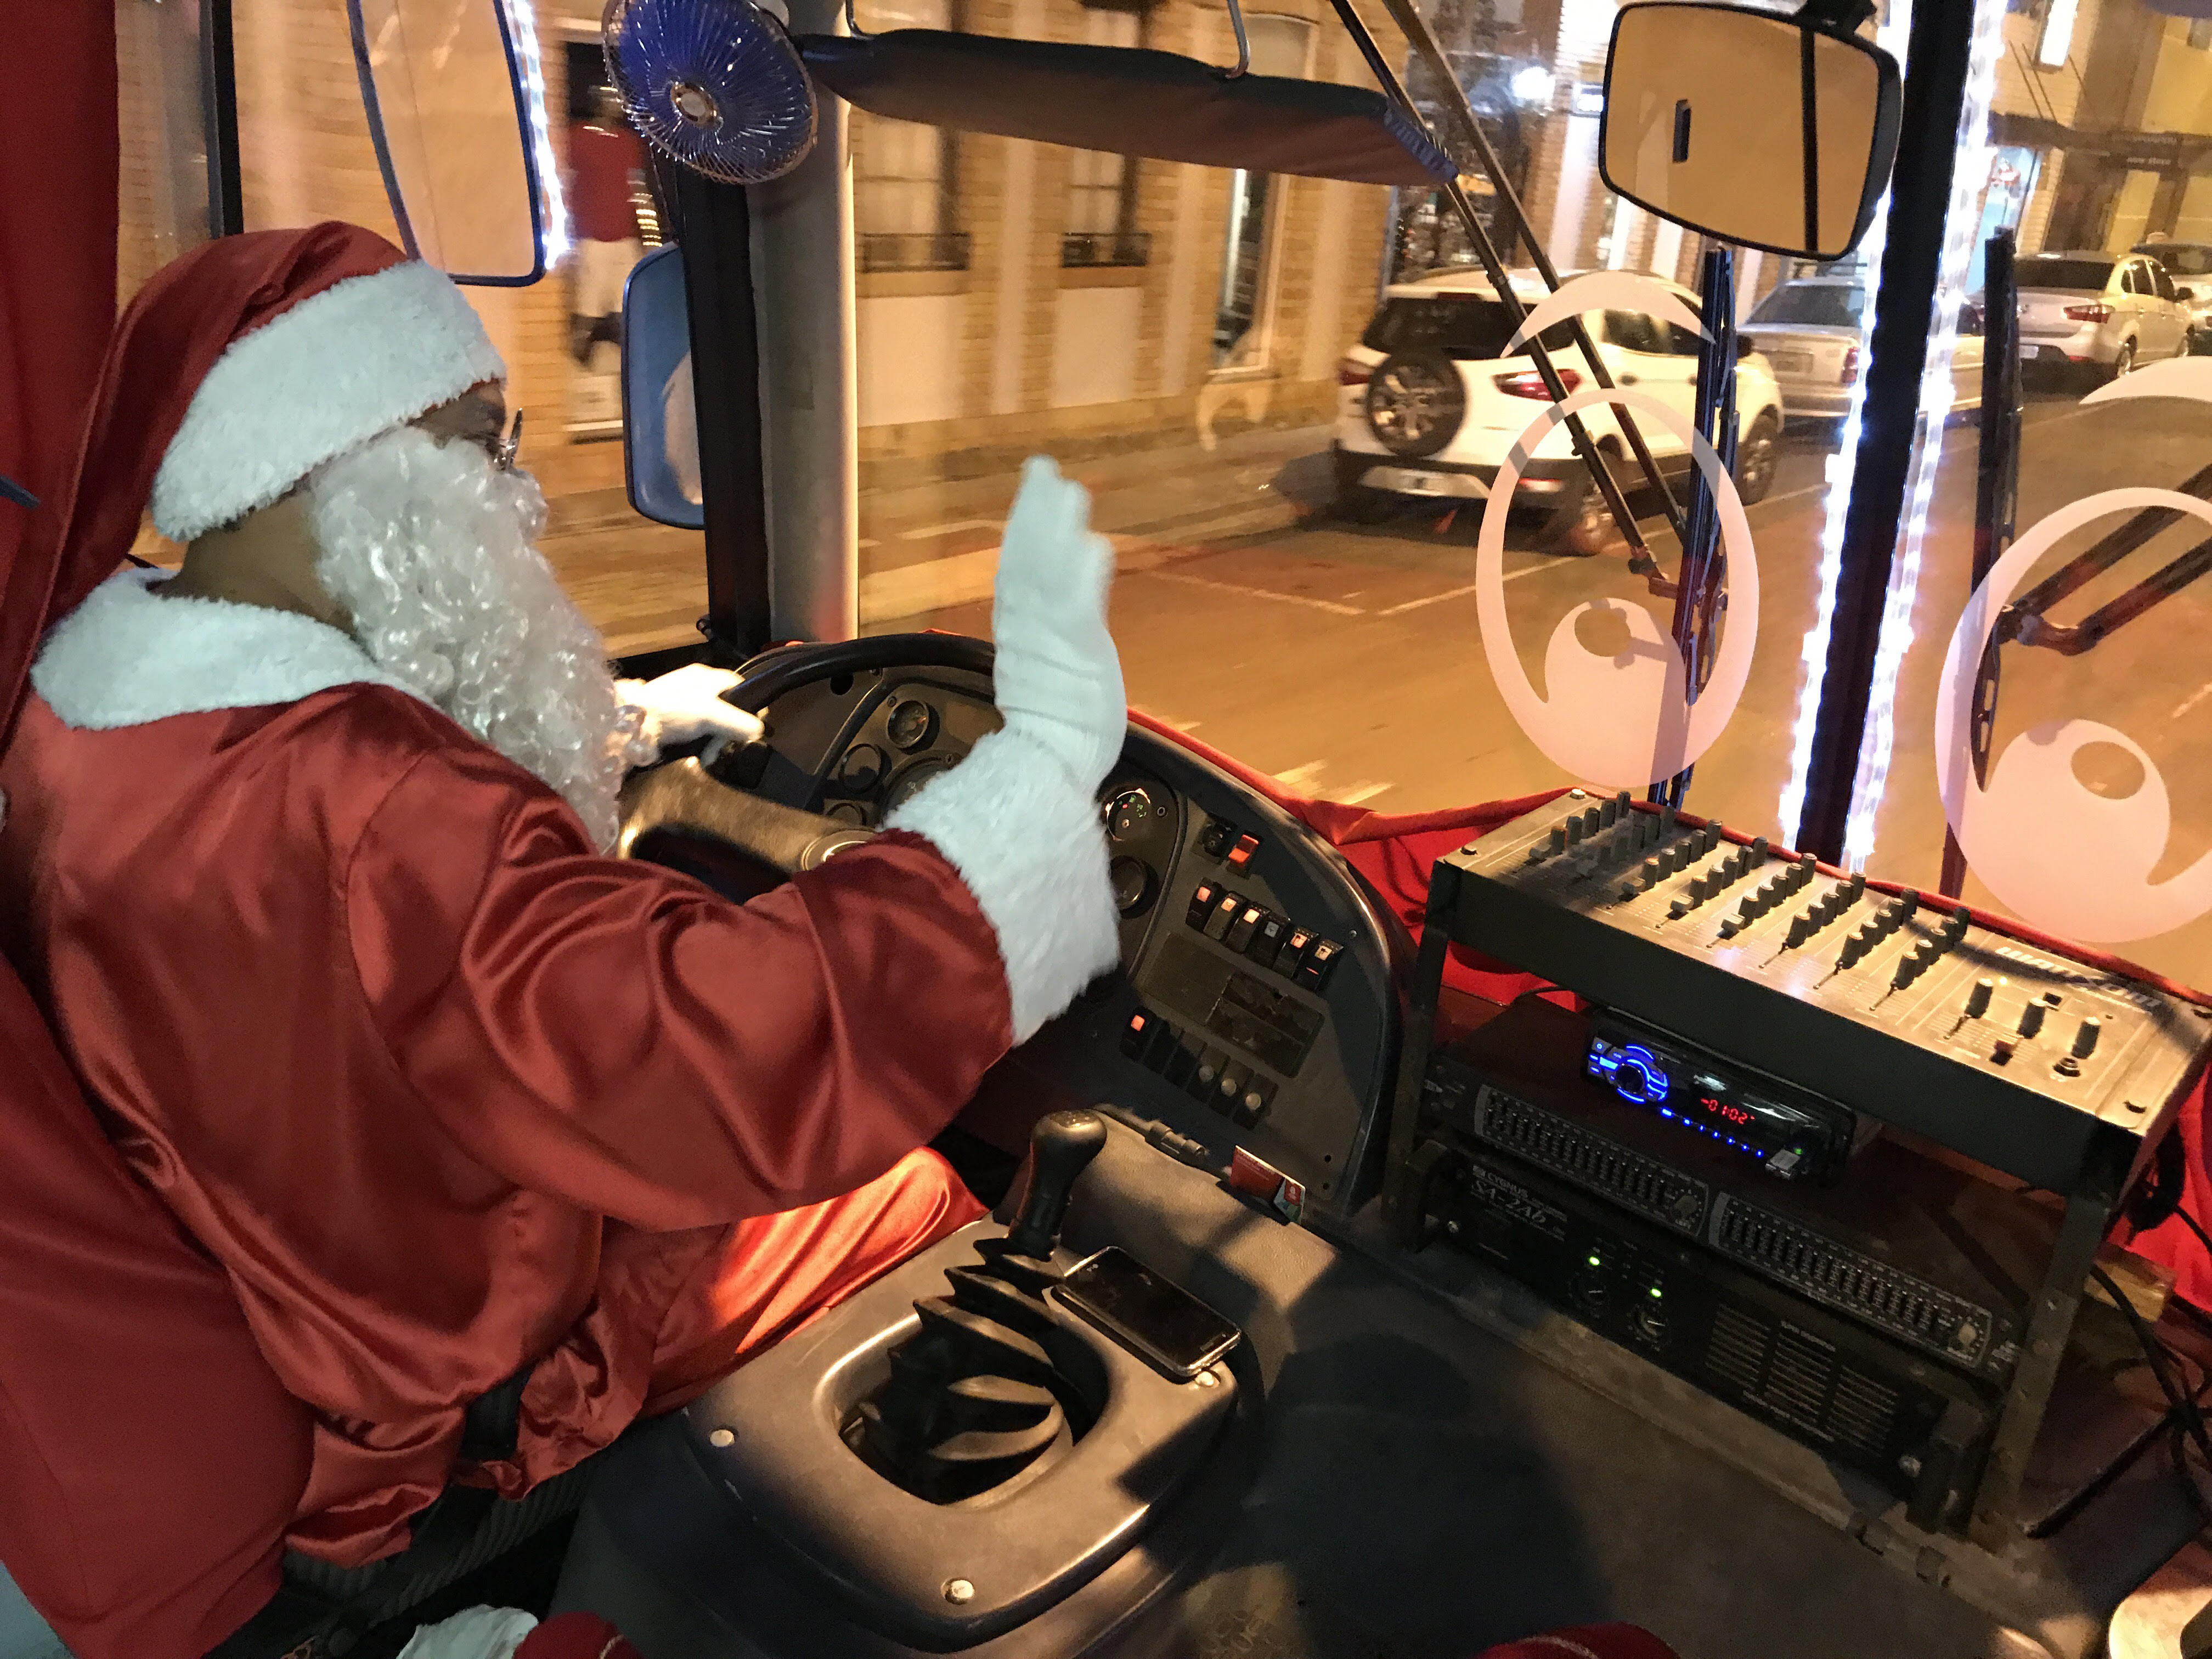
2188, 263
1808, 330
1430, 403
2105, 313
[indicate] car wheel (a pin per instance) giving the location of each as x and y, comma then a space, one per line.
2124, 362
1416, 403
1581, 525
1756, 459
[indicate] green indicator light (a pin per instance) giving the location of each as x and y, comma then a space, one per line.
1594, 1262
1655, 1291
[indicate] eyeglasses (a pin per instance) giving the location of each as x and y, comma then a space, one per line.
503, 451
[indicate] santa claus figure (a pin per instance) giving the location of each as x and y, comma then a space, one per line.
305, 858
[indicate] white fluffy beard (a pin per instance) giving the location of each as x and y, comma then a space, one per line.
429, 549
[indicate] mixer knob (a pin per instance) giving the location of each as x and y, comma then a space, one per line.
1978, 1000
1667, 819
1955, 929
1573, 828
1760, 847
1800, 931
1593, 821
1609, 813
1559, 841
2085, 1039
1859, 886
2031, 1020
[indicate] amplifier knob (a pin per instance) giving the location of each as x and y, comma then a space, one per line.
2031, 1020
1978, 1000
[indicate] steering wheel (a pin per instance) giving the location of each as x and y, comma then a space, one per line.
683, 799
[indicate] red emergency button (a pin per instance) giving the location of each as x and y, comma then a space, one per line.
1240, 855
1138, 1032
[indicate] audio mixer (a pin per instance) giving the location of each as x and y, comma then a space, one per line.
1830, 1000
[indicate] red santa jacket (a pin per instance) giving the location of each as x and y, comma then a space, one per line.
439, 1088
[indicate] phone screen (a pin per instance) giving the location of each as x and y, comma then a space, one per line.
1162, 1320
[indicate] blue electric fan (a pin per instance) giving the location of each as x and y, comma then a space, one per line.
714, 84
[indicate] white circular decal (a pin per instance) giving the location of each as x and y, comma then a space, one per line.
1621, 720
2071, 861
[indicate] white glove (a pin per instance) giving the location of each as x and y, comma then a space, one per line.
1059, 676
686, 704
1019, 818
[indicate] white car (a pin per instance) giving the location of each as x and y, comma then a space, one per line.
2102, 312
1808, 329
1428, 405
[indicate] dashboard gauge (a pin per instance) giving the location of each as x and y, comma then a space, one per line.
911, 780
1131, 812
862, 769
1134, 885
913, 723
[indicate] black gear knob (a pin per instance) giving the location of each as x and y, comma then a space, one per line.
1061, 1147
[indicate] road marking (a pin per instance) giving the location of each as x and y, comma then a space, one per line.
2197, 696
1329, 605
1366, 792
1299, 777
870, 541
1460, 592
926, 531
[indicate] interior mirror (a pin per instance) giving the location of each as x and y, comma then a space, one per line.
1970, 317
1755, 127
1745, 346
450, 122
2184, 293
660, 433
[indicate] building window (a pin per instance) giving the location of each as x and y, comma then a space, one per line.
905, 178
1280, 46
1101, 187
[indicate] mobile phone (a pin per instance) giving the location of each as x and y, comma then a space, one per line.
1158, 1321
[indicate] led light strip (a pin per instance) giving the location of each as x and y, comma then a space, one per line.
1970, 180
1841, 468
554, 241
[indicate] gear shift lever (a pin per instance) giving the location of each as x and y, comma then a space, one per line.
1061, 1147
977, 1395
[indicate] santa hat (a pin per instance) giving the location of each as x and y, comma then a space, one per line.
345, 349
239, 370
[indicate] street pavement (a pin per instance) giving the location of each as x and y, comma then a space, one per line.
1346, 660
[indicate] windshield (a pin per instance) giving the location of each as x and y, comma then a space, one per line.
1812, 305
1300, 573
2180, 258
2066, 276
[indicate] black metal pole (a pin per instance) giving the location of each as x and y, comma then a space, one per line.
1996, 490
226, 206
1920, 196
715, 230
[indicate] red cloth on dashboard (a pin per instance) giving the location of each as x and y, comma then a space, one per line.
445, 1091
1584, 1641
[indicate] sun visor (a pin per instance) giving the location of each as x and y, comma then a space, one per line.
1127, 101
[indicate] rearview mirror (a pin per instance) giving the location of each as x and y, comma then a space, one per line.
660, 430
451, 123
1749, 126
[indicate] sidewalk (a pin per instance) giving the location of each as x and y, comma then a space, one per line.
925, 547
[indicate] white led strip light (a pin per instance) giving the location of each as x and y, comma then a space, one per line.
554, 243
1970, 178
1843, 467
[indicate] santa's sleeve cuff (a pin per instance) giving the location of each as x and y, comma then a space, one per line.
1030, 846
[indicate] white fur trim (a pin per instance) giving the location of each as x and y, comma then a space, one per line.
125, 657
477, 1634
1031, 848
323, 378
